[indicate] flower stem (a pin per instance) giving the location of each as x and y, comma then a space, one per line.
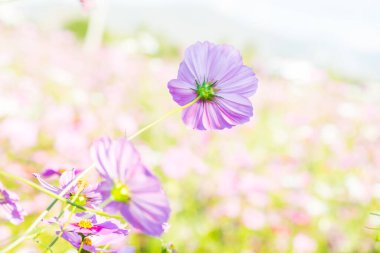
72, 183
46, 211
57, 197
61, 232
67, 222
81, 246
163, 117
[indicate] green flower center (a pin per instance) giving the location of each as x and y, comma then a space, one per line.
80, 200
205, 90
120, 193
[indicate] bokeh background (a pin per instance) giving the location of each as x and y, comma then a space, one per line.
301, 176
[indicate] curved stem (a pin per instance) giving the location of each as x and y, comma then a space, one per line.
68, 220
81, 246
57, 197
72, 183
61, 232
46, 211
163, 117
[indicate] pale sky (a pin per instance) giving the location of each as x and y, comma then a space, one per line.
340, 34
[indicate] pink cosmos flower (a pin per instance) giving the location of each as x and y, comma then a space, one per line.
90, 224
92, 243
132, 188
216, 74
88, 194
9, 206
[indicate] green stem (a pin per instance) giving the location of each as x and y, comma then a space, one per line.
70, 185
81, 246
30, 229
45, 212
61, 232
163, 117
57, 197
105, 202
67, 222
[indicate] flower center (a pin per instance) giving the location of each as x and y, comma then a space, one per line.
120, 193
85, 224
205, 90
87, 241
80, 200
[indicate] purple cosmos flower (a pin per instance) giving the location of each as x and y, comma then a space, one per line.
216, 74
92, 243
88, 193
131, 187
9, 206
89, 224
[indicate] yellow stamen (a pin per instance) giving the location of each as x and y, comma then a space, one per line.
82, 184
87, 241
85, 224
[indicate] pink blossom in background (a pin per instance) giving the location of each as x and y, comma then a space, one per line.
10, 209
179, 162
21, 133
303, 243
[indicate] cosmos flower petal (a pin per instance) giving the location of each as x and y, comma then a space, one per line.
115, 160
14, 213
243, 82
206, 60
46, 185
48, 172
234, 108
114, 207
106, 240
195, 62
10, 207
213, 118
144, 181
223, 61
149, 207
97, 241
183, 93
73, 238
148, 220
99, 154
192, 116
124, 158
66, 178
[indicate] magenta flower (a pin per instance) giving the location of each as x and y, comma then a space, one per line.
88, 194
92, 243
216, 74
131, 187
89, 224
9, 206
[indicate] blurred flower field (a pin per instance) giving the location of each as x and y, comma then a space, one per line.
301, 176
